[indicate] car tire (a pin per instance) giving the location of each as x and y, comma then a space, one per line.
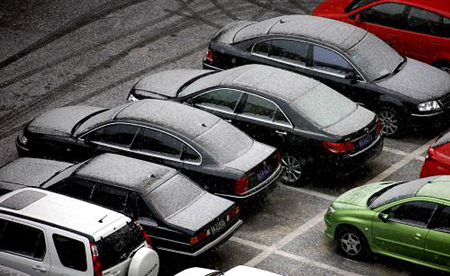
352, 243
292, 169
393, 123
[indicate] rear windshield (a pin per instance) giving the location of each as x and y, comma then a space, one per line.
174, 195
396, 192
324, 106
225, 142
118, 246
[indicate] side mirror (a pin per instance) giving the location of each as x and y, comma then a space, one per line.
383, 217
357, 18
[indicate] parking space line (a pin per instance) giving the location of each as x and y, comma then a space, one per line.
405, 160
402, 153
250, 243
309, 192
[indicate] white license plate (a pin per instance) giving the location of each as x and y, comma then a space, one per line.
365, 141
218, 226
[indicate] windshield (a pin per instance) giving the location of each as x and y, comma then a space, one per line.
98, 119
174, 195
225, 142
61, 175
324, 106
395, 192
375, 58
357, 4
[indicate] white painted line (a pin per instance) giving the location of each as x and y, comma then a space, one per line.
250, 243
330, 268
405, 160
309, 192
402, 153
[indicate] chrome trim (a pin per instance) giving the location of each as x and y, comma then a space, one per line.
367, 148
212, 67
306, 67
210, 245
427, 115
81, 137
263, 185
359, 137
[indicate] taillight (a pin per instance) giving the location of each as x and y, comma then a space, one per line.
241, 185
278, 157
339, 147
234, 212
96, 260
431, 153
378, 127
209, 55
200, 237
147, 238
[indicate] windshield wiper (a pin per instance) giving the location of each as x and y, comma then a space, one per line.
382, 77
399, 66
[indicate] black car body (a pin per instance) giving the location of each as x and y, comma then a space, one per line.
177, 214
216, 155
311, 123
352, 61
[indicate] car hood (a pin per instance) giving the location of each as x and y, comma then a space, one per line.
61, 121
419, 81
331, 8
353, 123
199, 213
358, 197
31, 171
167, 83
254, 156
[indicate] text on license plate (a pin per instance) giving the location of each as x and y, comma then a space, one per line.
218, 226
365, 141
264, 172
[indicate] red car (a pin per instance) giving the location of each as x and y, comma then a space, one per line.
438, 158
416, 28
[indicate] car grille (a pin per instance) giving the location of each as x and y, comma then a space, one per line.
445, 101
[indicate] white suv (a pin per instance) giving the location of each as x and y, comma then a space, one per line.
44, 233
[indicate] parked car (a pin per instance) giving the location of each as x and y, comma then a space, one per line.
402, 91
216, 155
240, 270
44, 233
405, 220
416, 28
313, 125
178, 215
438, 158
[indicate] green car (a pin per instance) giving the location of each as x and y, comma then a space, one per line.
404, 220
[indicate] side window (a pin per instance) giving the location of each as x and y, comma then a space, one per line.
280, 118
443, 223
388, 14
416, 213
117, 135
23, 240
425, 22
71, 253
112, 197
261, 48
143, 210
222, 99
259, 108
289, 50
77, 188
446, 27
330, 61
157, 142
189, 154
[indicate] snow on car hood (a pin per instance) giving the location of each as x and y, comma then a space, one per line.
167, 83
354, 122
37, 171
359, 196
255, 155
419, 81
61, 121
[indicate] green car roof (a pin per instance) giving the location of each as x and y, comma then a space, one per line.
438, 187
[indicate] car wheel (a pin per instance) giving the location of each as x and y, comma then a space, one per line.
352, 243
391, 121
292, 169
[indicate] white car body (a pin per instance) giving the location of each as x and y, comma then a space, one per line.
240, 270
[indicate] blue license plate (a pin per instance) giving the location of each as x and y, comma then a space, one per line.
365, 141
264, 172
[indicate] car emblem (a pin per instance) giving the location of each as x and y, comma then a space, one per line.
366, 129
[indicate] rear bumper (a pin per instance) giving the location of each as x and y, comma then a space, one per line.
432, 167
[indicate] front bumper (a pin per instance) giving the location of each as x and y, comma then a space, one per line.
427, 121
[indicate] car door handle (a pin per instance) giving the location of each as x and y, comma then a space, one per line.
228, 120
39, 268
418, 236
281, 133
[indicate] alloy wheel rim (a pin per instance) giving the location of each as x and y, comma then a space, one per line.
389, 122
351, 244
292, 170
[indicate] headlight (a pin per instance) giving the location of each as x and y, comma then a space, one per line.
428, 106
330, 210
22, 139
132, 98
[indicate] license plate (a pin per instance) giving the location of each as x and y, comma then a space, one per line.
218, 226
264, 172
365, 141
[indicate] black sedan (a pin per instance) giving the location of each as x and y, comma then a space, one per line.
311, 123
216, 155
356, 63
178, 215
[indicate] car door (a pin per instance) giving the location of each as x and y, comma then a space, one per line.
387, 21
437, 243
24, 247
114, 198
405, 230
263, 120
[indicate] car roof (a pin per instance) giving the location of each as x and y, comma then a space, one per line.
436, 187
264, 79
332, 32
182, 119
439, 6
125, 171
60, 210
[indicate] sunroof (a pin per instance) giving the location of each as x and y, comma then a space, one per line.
22, 200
